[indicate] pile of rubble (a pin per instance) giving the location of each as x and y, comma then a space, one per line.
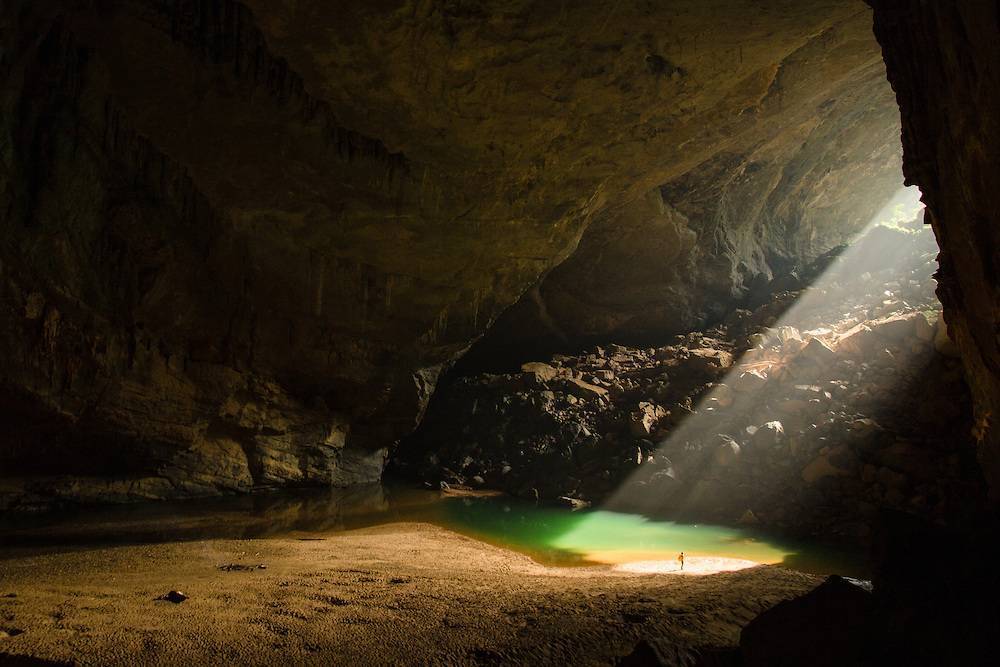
807, 413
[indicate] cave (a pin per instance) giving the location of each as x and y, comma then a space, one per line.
499, 332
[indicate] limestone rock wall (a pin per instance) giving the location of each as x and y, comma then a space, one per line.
805, 170
943, 61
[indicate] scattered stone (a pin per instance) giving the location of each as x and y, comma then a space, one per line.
727, 451
240, 567
786, 334
750, 381
573, 503
644, 419
585, 390
857, 341
173, 596
543, 372
768, 435
710, 359
723, 395
817, 352
819, 468
896, 328
803, 427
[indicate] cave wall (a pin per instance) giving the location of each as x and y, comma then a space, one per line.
943, 60
240, 240
819, 159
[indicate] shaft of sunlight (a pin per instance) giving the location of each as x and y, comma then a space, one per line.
820, 326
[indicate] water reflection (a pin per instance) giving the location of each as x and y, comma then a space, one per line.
552, 536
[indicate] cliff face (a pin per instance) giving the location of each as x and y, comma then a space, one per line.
240, 240
943, 61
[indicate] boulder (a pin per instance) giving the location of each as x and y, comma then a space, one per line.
831, 626
787, 333
665, 479
173, 596
585, 390
710, 359
572, 503
642, 422
857, 341
817, 352
723, 395
829, 464
750, 381
542, 372
768, 435
896, 327
923, 329
942, 340
726, 452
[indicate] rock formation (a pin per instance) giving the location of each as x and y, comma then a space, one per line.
241, 239
799, 418
772, 198
942, 60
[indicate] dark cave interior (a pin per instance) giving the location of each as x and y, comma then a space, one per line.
464, 316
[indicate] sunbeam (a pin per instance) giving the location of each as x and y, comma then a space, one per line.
775, 409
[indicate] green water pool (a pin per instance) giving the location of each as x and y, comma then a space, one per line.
549, 535
559, 537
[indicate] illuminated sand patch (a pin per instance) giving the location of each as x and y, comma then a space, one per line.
693, 565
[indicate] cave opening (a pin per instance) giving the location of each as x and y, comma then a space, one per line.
500, 332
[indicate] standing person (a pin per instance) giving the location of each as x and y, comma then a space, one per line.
680, 559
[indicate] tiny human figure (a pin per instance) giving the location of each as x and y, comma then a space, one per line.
680, 559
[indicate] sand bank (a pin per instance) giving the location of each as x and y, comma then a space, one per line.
404, 593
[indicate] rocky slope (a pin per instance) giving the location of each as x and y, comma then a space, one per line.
240, 240
810, 413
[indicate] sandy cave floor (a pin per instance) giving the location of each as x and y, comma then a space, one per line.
405, 593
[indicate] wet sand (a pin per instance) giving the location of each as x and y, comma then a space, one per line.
403, 593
